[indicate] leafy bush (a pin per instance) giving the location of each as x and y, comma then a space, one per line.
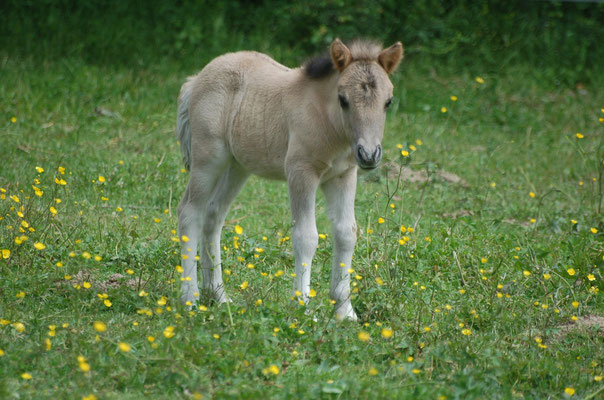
559, 39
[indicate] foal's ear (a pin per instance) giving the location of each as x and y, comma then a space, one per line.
340, 55
391, 57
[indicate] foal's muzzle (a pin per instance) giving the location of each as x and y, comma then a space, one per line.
368, 160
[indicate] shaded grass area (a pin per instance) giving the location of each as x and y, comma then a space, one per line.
487, 295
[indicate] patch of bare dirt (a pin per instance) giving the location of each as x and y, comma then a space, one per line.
516, 222
587, 322
458, 214
411, 175
112, 282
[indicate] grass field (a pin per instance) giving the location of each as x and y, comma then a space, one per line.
479, 275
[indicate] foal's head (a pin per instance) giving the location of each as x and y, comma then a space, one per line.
364, 94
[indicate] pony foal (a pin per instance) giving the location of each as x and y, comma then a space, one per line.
244, 114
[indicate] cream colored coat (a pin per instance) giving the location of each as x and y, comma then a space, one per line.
246, 114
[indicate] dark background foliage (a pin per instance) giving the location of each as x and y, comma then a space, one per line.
560, 39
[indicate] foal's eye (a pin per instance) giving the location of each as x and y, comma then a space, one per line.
388, 103
343, 102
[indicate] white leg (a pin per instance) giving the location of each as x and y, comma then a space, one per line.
190, 221
227, 188
302, 192
339, 193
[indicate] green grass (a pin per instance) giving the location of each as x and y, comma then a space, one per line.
506, 137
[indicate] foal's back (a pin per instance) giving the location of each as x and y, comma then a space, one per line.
237, 107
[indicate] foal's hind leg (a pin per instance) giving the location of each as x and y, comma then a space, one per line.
339, 194
190, 221
229, 184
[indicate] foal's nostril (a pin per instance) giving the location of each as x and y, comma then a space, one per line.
361, 154
377, 154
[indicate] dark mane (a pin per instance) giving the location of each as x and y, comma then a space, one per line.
361, 50
318, 67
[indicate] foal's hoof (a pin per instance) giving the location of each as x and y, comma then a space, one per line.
345, 312
215, 295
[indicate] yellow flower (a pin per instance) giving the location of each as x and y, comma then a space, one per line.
53, 210
526, 273
61, 181
453, 98
591, 277
169, 332
387, 333
20, 295
404, 153
575, 304
381, 220
466, 332
412, 148
427, 329
273, 369
479, 80
5, 253
99, 326
101, 178
47, 344
415, 371
569, 391
546, 276
443, 110
244, 285
363, 336
125, 347
86, 255
19, 327
593, 230
571, 271
26, 376
312, 293
579, 135
89, 397
531, 194
484, 260
184, 238
39, 246
373, 371
418, 142
107, 303
119, 209
15, 198
84, 366
238, 229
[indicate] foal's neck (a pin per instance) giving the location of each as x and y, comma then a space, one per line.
327, 91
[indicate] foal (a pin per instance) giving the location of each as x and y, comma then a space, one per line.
244, 114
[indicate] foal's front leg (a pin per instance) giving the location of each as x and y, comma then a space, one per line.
302, 192
339, 194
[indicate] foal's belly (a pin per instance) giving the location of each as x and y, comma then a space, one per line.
260, 152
